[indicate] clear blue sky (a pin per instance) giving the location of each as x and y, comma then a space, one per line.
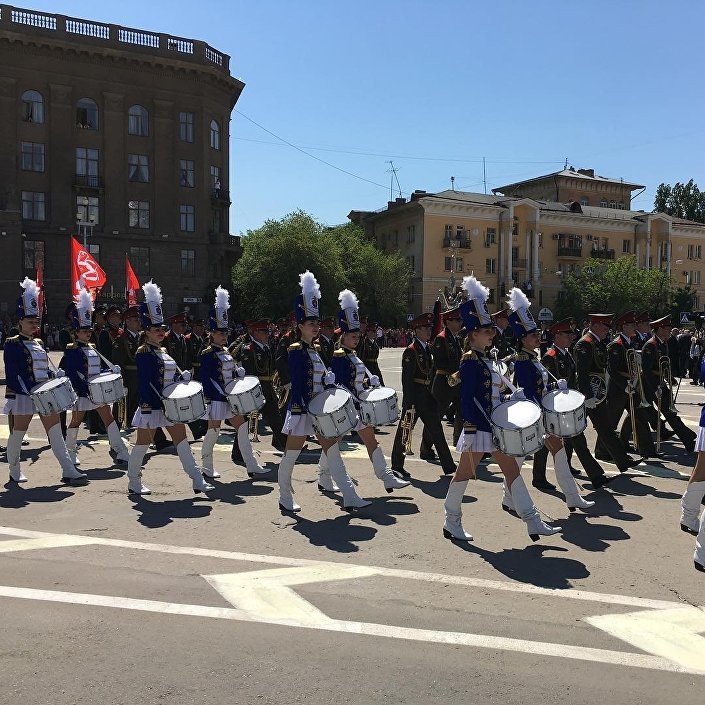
436, 86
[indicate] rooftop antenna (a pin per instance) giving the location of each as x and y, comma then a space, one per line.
393, 170
484, 174
452, 183
565, 166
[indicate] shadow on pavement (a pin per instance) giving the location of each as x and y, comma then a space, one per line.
334, 534
17, 496
155, 515
590, 535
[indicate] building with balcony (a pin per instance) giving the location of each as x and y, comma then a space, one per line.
531, 243
125, 132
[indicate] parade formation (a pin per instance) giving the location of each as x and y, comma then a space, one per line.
318, 380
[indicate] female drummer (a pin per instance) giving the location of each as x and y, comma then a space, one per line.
155, 370
26, 365
691, 522
532, 377
217, 370
308, 377
351, 372
81, 362
480, 392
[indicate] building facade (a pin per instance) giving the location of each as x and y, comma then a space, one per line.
121, 136
511, 241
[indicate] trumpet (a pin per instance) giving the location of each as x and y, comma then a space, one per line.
252, 422
407, 429
635, 376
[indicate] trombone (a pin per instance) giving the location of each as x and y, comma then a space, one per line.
252, 423
665, 383
407, 430
634, 371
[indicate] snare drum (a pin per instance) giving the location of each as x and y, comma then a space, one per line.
53, 396
106, 388
517, 427
564, 413
333, 412
183, 401
379, 406
245, 395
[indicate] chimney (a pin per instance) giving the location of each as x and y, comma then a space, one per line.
587, 172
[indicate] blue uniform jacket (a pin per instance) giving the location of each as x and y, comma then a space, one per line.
345, 371
301, 377
18, 366
150, 370
75, 364
475, 385
528, 376
211, 373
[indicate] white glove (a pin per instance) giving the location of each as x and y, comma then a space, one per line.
591, 403
116, 369
518, 394
562, 384
60, 373
240, 372
185, 376
374, 381
328, 378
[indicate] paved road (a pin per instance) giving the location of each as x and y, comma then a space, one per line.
180, 599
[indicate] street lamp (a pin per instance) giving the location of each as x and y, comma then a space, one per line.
84, 226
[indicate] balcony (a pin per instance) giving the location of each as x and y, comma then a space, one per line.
462, 243
565, 251
602, 254
519, 263
88, 181
220, 196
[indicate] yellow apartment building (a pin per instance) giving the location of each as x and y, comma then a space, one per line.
530, 234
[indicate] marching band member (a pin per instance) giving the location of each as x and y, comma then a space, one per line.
480, 387
124, 351
325, 340
351, 372
157, 369
368, 347
26, 365
308, 377
692, 498
218, 369
81, 361
532, 377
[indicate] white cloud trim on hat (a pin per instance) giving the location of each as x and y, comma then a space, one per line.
222, 298
30, 287
517, 299
152, 293
348, 299
474, 289
309, 285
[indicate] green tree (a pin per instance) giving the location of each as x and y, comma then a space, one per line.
614, 287
683, 300
681, 200
266, 277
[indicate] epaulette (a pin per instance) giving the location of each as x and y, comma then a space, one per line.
522, 356
294, 346
206, 350
71, 346
13, 339
144, 348
316, 347
339, 353
469, 355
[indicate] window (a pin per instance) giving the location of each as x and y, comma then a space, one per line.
186, 173
626, 246
32, 107
87, 209
139, 259
491, 237
186, 127
87, 114
32, 255
490, 265
87, 165
448, 264
138, 121
138, 168
621, 205
32, 156
215, 178
138, 214
603, 202
188, 263
584, 201
411, 261
33, 205
613, 204
216, 220
187, 219
410, 234
215, 134
94, 251
459, 264
448, 232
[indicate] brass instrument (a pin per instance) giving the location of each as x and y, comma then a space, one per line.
635, 374
454, 379
598, 387
634, 370
407, 430
666, 382
252, 423
280, 391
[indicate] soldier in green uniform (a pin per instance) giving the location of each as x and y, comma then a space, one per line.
504, 340
368, 349
325, 340
124, 349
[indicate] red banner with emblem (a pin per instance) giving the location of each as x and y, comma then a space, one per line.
131, 283
85, 271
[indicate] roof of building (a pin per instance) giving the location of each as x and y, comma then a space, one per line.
587, 174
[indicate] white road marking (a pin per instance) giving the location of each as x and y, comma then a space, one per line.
49, 541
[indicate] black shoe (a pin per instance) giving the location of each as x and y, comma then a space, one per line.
667, 435
603, 456
574, 472
431, 457
689, 447
280, 447
164, 447
401, 473
543, 485
238, 460
633, 462
450, 471
601, 481
25, 443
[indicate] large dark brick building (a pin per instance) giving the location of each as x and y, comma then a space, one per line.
127, 129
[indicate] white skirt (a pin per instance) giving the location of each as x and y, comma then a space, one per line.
298, 425
219, 411
482, 442
85, 404
21, 405
155, 419
700, 440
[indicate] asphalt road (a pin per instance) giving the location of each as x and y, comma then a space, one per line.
182, 599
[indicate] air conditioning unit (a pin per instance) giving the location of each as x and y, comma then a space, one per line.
556, 236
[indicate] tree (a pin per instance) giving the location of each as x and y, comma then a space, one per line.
683, 300
266, 276
681, 200
614, 287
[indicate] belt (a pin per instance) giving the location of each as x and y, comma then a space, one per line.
422, 381
445, 372
266, 379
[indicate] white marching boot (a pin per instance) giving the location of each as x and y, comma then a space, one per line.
567, 483
351, 499
72, 444
526, 509
699, 555
325, 479
690, 507
453, 528
286, 491
390, 480
507, 501
243, 440
69, 473
209, 441
14, 448
119, 449
188, 463
134, 471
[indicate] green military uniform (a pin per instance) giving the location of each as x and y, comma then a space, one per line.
124, 349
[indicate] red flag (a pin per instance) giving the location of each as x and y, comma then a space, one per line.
40, 284
85, 270
131, 283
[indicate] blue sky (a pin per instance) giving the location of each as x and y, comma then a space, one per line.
435, 87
